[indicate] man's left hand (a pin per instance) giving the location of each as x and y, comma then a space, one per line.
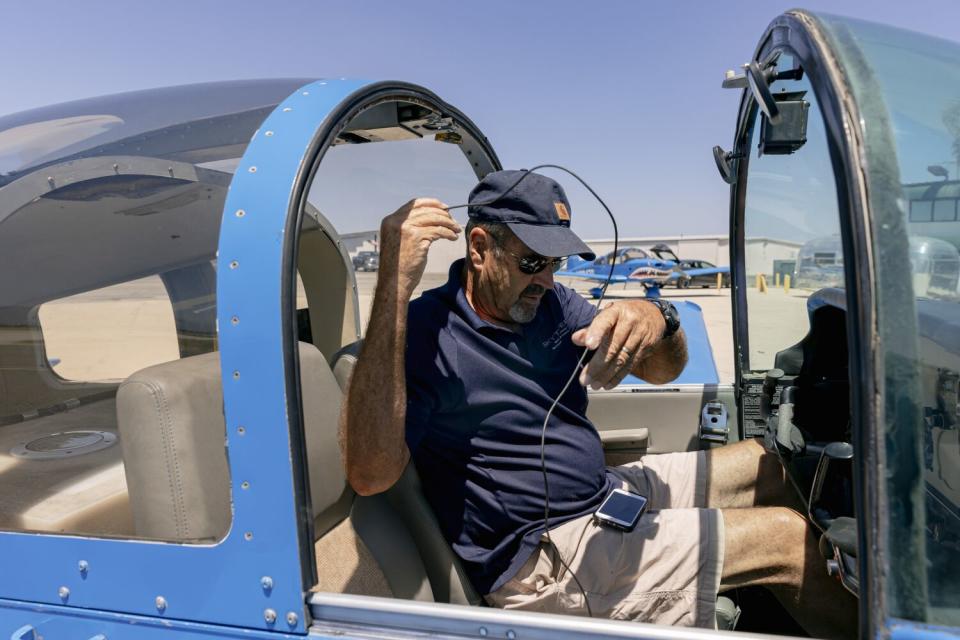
623, 334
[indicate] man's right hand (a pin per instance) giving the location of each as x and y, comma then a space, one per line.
406, 235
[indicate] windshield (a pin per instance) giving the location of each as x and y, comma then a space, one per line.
918, 81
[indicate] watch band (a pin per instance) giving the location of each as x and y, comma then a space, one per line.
670, 316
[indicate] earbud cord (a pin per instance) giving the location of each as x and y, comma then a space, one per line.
576, 371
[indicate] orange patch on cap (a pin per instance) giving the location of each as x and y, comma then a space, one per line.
562, 212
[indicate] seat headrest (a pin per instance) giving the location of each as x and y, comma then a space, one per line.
343, 362
172, 432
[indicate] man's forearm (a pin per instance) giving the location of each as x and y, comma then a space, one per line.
373, 416
666, 360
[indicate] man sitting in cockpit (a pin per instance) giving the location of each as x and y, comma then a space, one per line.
463, 378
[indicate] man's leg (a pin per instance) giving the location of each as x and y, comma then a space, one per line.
746, 475
775, 547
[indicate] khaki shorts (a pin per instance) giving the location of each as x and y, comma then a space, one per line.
666, 571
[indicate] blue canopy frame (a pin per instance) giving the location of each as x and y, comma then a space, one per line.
254, 568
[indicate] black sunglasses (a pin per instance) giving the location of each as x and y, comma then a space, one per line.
531, 265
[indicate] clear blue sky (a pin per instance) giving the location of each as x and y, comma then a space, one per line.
626, 93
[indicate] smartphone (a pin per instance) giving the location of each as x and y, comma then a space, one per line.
621, 510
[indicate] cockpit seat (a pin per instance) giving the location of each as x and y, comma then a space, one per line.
447, 577
172, 434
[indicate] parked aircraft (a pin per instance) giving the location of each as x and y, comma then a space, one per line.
702, 274
630, 265
653, 268
174, 471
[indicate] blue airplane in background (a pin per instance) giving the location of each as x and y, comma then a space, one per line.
653, 268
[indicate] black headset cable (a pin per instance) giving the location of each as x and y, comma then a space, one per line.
576, 371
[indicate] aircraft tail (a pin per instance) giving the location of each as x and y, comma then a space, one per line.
576, 262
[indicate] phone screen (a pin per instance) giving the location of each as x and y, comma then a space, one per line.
623, 506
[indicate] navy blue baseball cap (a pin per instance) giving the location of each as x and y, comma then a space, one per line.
536, 210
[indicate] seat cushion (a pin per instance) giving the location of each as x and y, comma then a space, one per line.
345, 564
170, 419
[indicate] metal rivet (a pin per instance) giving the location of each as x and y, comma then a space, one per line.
252, 169
287, 109
50, 180
234, 320
161, 603
116, 168
248, 536
270, 616
236, 375
266, 582
234, 264
83, 566
241, 431
511, 634
64, 593
483, 632
240, 213
170, 171
292, 618
269, 134
244, 485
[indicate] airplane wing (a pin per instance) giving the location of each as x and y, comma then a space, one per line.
707, 271
620, 278
590, 276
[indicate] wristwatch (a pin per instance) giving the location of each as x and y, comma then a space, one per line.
670, 315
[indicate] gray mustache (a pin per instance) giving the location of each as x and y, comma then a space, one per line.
533, 289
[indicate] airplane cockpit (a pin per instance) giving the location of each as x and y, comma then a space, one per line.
180, 315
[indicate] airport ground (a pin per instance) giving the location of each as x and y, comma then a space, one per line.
779, 318
110, 333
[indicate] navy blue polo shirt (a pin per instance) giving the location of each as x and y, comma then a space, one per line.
477, 395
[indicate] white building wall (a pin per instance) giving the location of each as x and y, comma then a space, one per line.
443, 252
760, 252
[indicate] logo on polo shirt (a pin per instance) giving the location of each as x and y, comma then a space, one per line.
562, 212
553, 342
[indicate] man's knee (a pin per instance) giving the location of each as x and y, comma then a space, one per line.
733, 473
745, 474
767, 545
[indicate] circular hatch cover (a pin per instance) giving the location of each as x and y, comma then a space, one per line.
64, 444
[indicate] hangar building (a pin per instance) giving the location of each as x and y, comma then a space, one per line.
778, 255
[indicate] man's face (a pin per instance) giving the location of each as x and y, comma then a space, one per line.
508, 294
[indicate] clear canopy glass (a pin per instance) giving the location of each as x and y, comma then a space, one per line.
915, 81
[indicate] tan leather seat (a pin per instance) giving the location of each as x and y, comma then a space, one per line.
447, 577
172, 434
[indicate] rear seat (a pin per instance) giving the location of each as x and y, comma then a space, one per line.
172, 433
